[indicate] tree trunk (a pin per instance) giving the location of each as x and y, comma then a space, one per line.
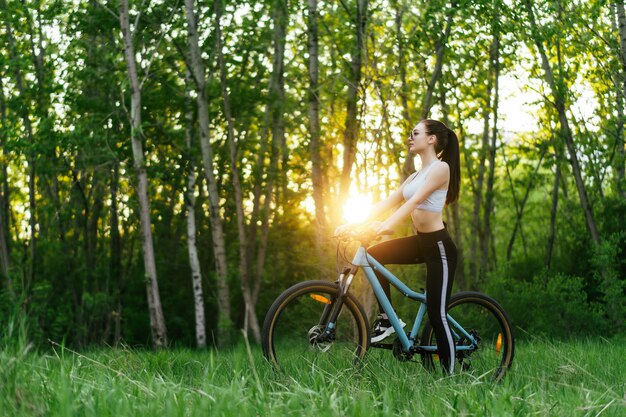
5, 260
520, 209
115, 262
157, 321
620, 158
479, 238
553, 215
559, 103
488, 210
97, 195
275, 87
43, 102
190, 200
251, 317
262, 250
478, 235
275, 111
351, 131
217, 228
314, 129
404, 89
267, 212
37, 59
4, 254
32, 208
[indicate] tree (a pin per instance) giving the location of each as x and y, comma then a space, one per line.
557, 88
24, 113
620, 160
157, 320
250, 313
351, 132
314, 125
5, 261
190, 200
217, 232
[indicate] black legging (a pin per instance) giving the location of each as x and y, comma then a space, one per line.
438, 251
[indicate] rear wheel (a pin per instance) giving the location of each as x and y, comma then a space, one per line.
486, 321
296, 330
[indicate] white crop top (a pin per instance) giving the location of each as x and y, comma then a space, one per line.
433, 202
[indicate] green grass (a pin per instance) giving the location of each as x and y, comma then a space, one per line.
577, 378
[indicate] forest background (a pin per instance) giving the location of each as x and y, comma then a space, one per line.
169, 167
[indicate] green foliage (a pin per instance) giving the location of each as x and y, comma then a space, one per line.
609, 265
550, 305
88, 268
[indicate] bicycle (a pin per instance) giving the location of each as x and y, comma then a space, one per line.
321, 321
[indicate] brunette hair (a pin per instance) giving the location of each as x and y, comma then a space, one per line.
447, 149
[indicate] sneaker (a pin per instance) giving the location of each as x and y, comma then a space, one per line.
383, 328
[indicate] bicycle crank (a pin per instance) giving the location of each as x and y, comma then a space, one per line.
399, 353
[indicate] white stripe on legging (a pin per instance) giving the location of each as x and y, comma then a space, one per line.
444, 289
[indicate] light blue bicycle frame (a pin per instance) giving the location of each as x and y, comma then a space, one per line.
369, 263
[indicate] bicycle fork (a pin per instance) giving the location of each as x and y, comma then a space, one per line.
331, 311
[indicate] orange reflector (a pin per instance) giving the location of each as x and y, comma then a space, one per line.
436, 357
320, 298
499, 343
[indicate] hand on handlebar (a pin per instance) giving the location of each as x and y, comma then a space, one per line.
375, 228
343, 229
380, 228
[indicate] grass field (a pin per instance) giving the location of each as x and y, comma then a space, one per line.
580, 378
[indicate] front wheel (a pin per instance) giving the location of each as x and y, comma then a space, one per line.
297, 331
491, 352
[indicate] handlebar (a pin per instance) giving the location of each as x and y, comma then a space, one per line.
363, 236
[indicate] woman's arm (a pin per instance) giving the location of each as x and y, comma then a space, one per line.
379, 208
437, 177
393, 200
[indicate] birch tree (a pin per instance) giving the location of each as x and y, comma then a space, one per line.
198, 73
190, 200
157, 320
250, 313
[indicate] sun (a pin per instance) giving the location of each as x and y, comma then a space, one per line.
357, 209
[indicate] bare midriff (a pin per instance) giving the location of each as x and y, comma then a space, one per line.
426, 221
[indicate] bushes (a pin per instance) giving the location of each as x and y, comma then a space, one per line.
608, 261
566, 305
553, 306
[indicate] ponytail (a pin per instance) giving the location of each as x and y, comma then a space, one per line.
451, 156
447, 149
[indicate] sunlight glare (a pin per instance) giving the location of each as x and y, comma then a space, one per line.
308, 204
357, 208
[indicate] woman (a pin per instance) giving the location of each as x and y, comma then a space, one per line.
425, 193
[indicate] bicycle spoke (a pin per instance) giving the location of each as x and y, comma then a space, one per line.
488, 351
297, 330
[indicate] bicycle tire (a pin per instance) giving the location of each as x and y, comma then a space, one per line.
295, 316
482, 316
